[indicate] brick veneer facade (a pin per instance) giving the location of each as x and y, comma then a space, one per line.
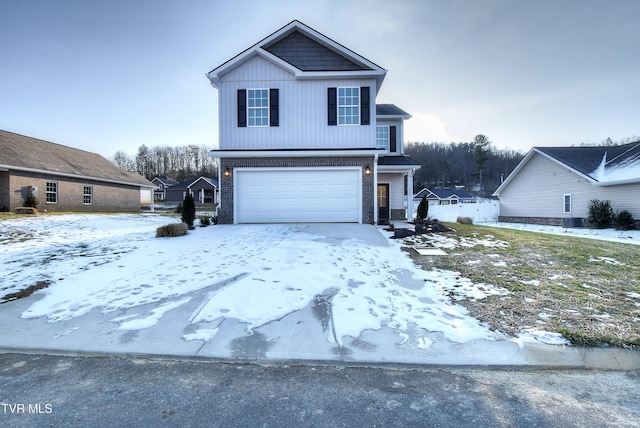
108, 197
225, 210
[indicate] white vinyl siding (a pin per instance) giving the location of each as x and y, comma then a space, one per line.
539, 188
302, 112
291, 195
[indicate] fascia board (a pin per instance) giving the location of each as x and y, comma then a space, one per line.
398, 168
81, 177
291, 153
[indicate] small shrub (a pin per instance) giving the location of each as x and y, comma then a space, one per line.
205, 220
464, 220
179, 208
423, 208
171, 230
600, 214
30, 200
624, 221
188, 210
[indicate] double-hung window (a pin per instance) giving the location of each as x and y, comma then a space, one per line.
87, 195
51, 192
258, 107
382, 137
348, 106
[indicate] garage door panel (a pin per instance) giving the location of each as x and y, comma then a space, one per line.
292, 195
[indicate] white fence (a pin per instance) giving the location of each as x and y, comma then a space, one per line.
480, 212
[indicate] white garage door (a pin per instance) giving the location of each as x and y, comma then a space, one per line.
297, 195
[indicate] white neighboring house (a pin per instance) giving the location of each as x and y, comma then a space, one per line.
301, 138
554, 185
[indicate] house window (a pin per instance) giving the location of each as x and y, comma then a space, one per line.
567, 204
382, 137
258, 107
52, 192
87, 195
348, 106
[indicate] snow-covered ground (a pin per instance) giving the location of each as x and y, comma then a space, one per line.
255, 274
612, 235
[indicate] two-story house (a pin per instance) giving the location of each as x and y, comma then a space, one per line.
301, 138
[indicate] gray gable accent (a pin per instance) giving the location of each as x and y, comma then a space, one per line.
307, 54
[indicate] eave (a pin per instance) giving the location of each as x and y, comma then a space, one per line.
294, 153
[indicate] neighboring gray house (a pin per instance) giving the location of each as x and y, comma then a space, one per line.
162, 182
301, 138
66, 179
445, 196
203, 189
553, 185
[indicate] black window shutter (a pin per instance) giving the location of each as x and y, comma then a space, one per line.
365, 109
393, 147
274, 106
332, 106
242, 108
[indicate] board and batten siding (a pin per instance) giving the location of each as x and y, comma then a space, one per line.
539, 188
302, 111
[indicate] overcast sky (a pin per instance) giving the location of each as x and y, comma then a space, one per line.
112, 75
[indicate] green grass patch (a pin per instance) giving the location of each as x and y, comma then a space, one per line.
586, 290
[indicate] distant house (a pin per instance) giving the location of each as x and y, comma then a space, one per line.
553, 185
301, 136
205, 190
65, 179
162, 182
445, 196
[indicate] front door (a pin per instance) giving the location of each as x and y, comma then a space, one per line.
383, 201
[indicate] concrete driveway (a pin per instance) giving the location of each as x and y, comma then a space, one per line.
272, 293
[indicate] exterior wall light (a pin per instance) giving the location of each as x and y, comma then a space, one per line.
227, 172
367, 170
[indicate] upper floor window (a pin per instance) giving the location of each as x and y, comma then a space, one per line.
382, 137
52, 192
258, 107
348, 106
87, 195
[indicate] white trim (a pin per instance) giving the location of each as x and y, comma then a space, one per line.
237, 170
293, 153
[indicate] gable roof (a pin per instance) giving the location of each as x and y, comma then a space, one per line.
22, 153
443, 194
164, 180
602, 165
306, 53
186, 184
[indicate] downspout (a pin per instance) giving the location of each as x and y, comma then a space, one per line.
375, 188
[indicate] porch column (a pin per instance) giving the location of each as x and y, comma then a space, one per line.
410, 195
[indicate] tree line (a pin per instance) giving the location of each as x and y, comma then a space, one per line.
179, 162
476, 165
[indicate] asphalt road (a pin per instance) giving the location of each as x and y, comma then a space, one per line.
55, 391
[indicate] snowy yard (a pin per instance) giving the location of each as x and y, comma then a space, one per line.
252, 273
